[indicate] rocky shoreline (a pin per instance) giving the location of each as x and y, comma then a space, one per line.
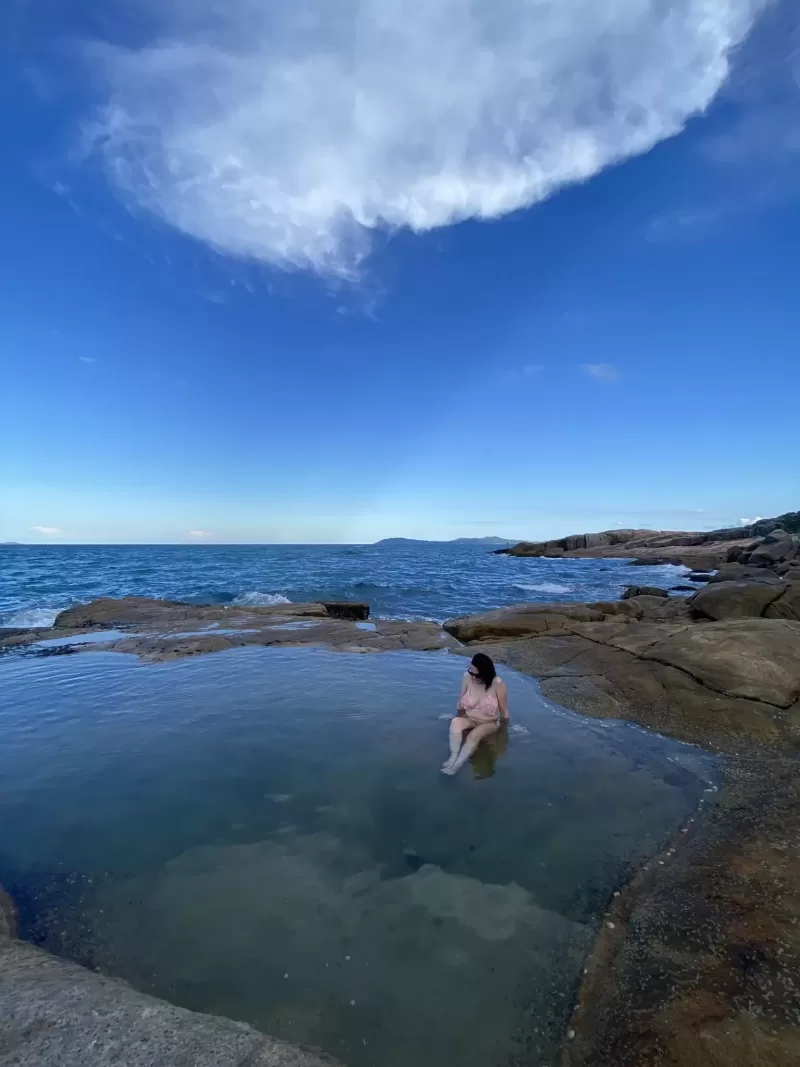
698, 960
699, 550
160, 630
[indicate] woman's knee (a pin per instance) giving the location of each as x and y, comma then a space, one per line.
459, 724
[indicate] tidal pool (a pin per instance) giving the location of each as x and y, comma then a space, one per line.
264, 834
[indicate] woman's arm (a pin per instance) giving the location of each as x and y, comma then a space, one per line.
502, 699
460, 704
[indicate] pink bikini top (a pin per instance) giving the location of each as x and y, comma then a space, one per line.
480, 702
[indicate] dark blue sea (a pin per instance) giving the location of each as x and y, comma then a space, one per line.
421, 581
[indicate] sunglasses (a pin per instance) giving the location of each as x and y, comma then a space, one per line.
473, 674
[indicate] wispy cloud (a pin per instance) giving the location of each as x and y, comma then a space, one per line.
751, 520
603, 372
48, 531
532, 370
87, 359
291, 133
200, 534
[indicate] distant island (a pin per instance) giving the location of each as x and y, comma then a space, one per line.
489, 542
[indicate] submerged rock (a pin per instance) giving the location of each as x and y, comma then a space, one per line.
57, 1014
8, 917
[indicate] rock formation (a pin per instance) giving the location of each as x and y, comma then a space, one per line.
698, 961
166, 629
768, 542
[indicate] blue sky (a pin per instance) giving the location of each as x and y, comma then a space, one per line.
334, 278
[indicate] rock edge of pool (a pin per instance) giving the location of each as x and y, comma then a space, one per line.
698, 957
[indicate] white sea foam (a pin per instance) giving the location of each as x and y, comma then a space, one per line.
545, 587
33, 618
261, 600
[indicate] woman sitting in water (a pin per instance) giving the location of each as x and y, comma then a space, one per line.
482, 707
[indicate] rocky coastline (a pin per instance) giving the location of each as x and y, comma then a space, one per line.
699, 550
698, 960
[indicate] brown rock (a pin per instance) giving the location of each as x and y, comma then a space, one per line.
735, 600
697, 965
131, 611
521, 620
787, 606
757, 659
776, 547
643, 590
741, 572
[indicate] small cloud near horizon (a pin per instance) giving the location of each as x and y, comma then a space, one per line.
603, 372
749, 522
50, 531
200, 533
87, 359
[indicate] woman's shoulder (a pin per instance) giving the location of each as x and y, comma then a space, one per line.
498, 681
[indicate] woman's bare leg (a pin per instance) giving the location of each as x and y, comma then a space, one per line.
458, 726
453, 766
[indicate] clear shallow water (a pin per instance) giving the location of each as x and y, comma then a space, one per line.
264, 834
419, 581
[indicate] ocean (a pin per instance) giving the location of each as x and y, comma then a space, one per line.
419, 581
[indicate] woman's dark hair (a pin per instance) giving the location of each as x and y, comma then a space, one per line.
485, 668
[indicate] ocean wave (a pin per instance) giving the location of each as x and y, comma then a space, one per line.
544, 587
260, 600
32, 618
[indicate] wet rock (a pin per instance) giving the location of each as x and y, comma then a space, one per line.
700, 968
133, 610
161, 630
735, 600
644, 590
700, 576
56, 1014
341, 609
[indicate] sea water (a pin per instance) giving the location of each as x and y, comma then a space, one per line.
433, 581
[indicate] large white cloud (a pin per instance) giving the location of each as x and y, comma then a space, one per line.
287, 131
